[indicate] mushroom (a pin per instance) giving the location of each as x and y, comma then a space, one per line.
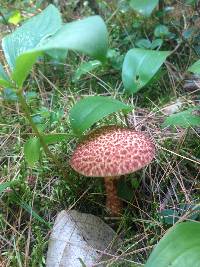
109, 152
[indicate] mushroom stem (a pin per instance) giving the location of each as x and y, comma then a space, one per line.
113, 203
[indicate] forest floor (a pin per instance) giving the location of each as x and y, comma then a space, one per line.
155, 197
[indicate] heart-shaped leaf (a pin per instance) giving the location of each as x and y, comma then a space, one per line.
187, 118
144, 7
195, 68
178, 248
140, 66
92, 109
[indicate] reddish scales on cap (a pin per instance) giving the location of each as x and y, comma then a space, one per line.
112, 151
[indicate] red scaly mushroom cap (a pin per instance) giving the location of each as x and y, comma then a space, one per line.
112, 151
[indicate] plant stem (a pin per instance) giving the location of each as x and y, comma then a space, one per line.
25, 108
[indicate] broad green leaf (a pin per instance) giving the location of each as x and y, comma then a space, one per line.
3, 186
4, 79
187, 118
56, 137
32, 151
30, 34
195, 68
92, 109
88, 36
144, 7
140, 66
86, 67
178, 248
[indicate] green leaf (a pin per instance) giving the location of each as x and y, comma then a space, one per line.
4, 79
169, 216
86, 67
30, 34
56, 137
144, 7
58, 55
140, 66
115, 58
143, 43
3, 186
92, 109
178, 248
187, 118
161, 31
15, 18
192, 209
9, 95
88, 36
195, 68
23, 66
157, 43
32, 151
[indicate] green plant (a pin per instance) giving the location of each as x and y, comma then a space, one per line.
140, 66
45, 34
24, 46
178, 247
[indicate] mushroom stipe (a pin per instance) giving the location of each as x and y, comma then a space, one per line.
109, 152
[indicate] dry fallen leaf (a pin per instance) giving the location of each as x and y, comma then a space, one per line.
80, 239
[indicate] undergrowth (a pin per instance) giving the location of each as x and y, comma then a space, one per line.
29, 208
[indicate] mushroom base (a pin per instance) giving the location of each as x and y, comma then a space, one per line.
113, 203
